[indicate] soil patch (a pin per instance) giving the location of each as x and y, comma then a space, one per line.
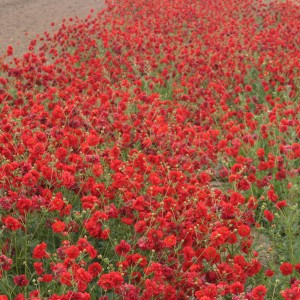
22, 20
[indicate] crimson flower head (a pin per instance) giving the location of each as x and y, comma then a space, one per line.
237, 288
83, 276
68, 180
94, 269
281, 204
72, 252
46, 278
20, 297
123, 248
21, 280
269, 273
39, 251
31, 178
12, 223
38, 267
111, 280
10, 50
244, 230
286, 268
5, 263
297, 267
58, 226
170, 241
268, 215
259, 292
210, 254
38, 149
260, 152
248, 88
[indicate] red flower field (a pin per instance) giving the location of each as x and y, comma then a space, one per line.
152, 151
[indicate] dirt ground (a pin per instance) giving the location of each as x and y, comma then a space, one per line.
22, 20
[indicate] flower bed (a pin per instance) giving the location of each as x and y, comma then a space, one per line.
152, 152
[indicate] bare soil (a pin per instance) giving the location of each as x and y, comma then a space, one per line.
22, 20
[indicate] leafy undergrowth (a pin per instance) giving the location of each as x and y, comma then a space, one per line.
152, 151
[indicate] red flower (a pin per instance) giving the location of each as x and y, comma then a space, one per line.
268, 215
57, 203
244, 230
24, 205
9, 50
211, 255
254, 267
68, 180
94, 269
66, 278
237, 288
123, 248
21, 280
220, 236
97, 170
269, 273
58, 269
244, 185
129, 291
58, 226
209, 291
12, 223
94, 225
105, 234
82, 275
260, 152
228, 210
204, 178
286, 268
38, 267
297, 267
248, 88
259, 292
34, 295
20, 297
292, 293
281, 204
83, 244
31, 178
140, 226
72, 252
111, 280
38, 149
170, 241
199, 297
46, 278
147, 142
39, 251
5, 263
61, 153
272, 195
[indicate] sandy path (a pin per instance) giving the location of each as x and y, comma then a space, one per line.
22, 20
